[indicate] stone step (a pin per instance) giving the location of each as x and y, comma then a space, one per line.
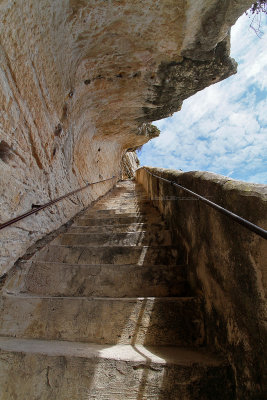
134, 227
60, 370
127, 192
133, 195
56, 279
139, 255
124, 185
93, 214
123, 211
124, 201
110, 211
128, 198
83, 221
147, 238
128, 195
129, 184
151, 321
122, 207
115, 201
128, 188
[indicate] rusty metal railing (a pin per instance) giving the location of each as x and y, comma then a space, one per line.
242, 221
38, 208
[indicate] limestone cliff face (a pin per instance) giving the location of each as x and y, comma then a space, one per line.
129, 165
78, 81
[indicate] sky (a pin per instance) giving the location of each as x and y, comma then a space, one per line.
223, 128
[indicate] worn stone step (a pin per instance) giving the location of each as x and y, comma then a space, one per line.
122, 211
117, 208
60, 370
120, 188
143, 200
146, 238
93, 214
57, 279
126, 184
128, 199
128, 192
133, 191
134, 227
124, 202
133, 195
83, 221
149, 320
140, 255
109, 211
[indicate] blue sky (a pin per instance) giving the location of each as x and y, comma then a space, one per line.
223, 128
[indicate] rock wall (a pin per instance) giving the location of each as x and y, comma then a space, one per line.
80, 81
226, 264
129, 165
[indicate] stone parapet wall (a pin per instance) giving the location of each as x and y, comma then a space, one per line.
226, 264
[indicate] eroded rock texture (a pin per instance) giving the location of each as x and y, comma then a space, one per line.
78, 81
129, 165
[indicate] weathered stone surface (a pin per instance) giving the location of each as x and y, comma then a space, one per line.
202, 35
150, 321
132, 227
162, 238
178, 79
118, 220
56, 279
116, 212
117, 305
112, 255
80, 82
129, 165
227, 264
65, 370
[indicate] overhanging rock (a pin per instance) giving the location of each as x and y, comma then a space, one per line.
78, 81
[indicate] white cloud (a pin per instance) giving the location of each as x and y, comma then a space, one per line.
224, 127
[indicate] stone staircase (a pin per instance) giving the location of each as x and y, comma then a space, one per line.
104, 311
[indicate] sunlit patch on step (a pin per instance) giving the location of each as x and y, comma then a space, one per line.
142, 256
146, 376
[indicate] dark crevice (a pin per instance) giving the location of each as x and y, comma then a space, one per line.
6, 152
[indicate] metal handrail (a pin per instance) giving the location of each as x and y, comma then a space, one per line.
38, 208
242, 221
